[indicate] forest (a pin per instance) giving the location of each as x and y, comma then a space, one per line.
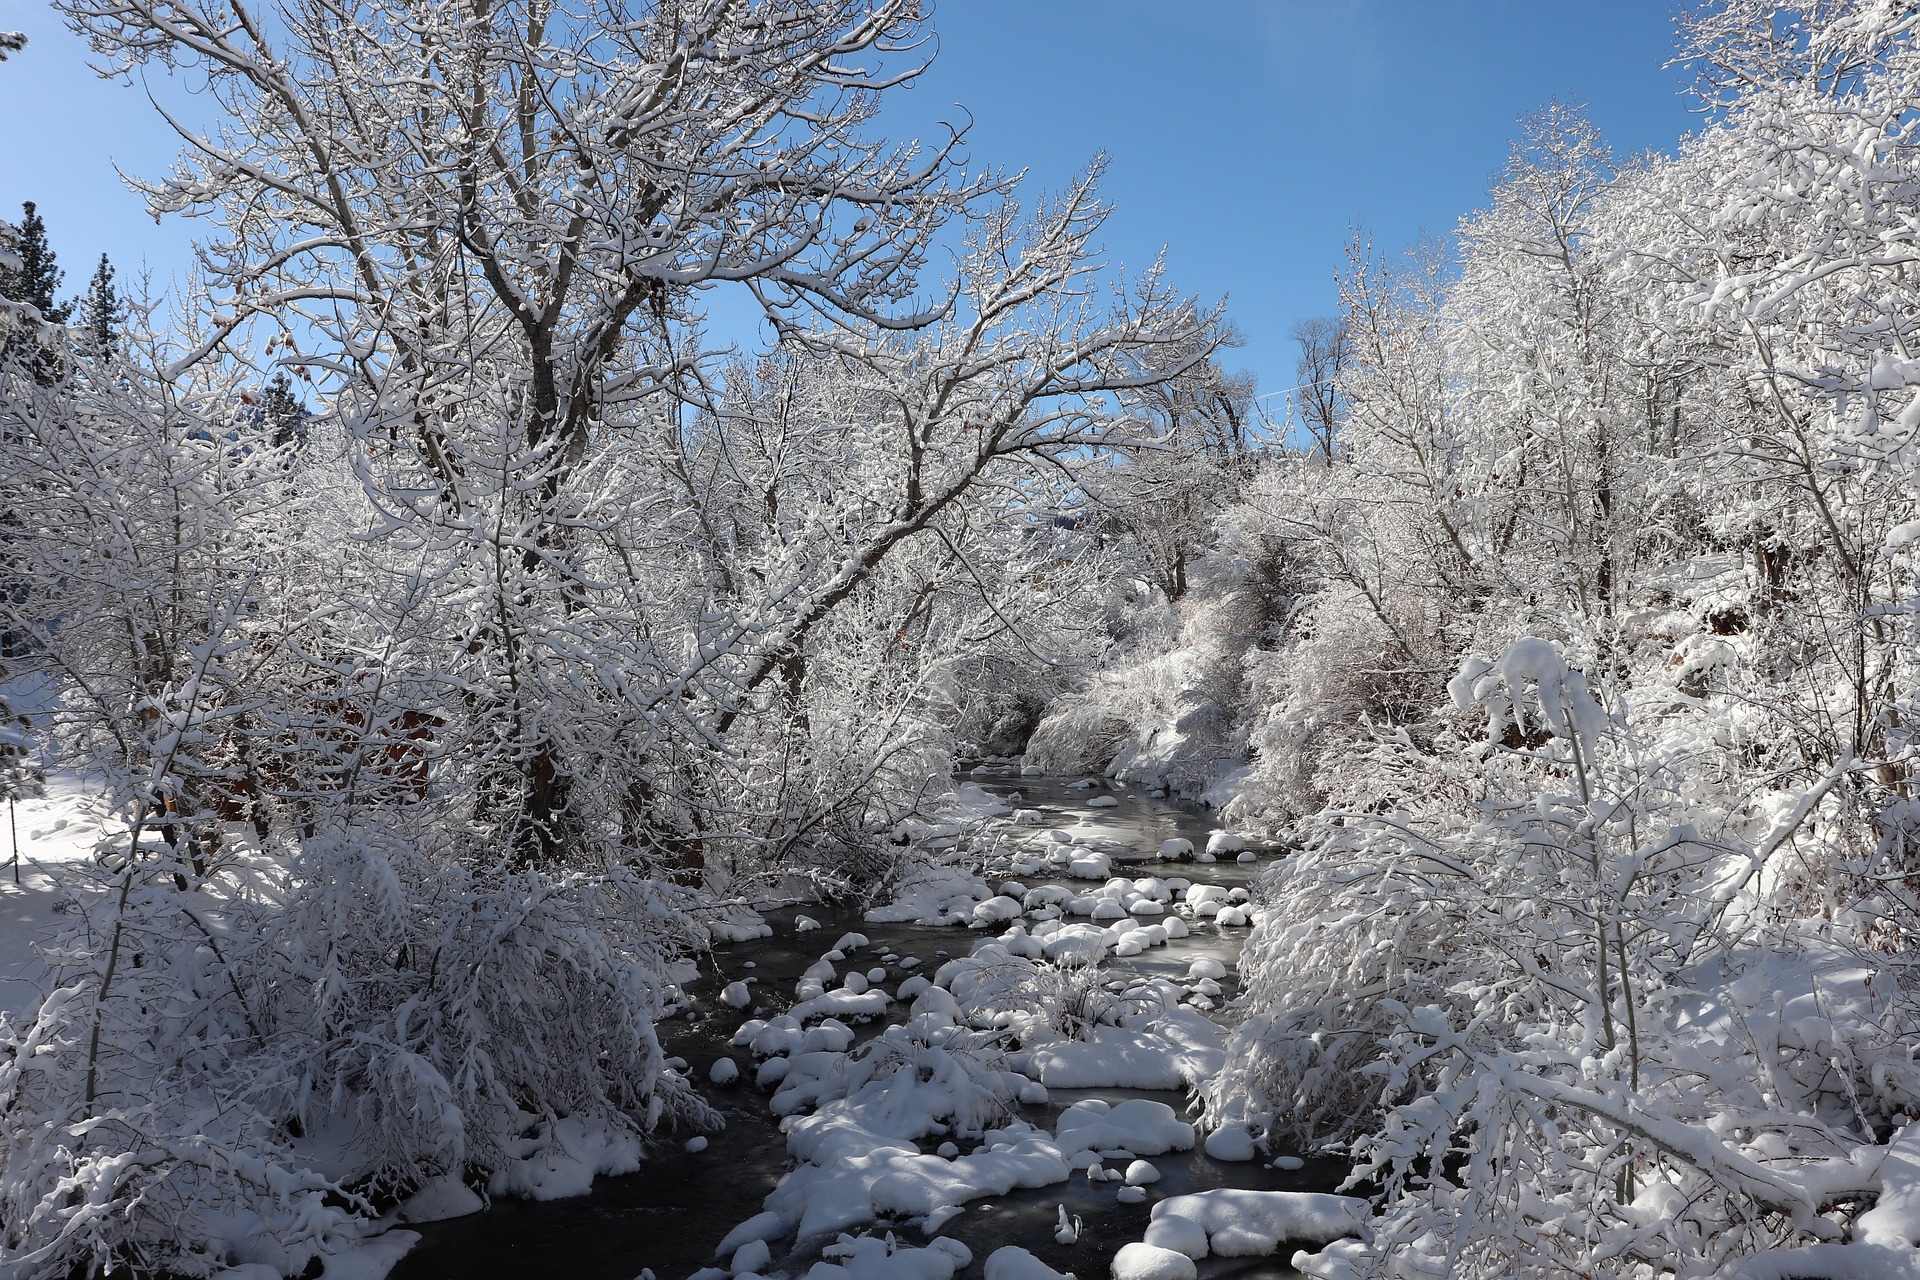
451, 647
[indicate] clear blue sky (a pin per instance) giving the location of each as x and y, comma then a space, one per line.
1245, 136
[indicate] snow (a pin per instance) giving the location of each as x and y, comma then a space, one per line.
59, 831
753, 1256
1250, 1224
736, 922
439, 1199
1092, 866
1139, 1126
766, 1225
564, 1158
856, 1175
996, 910
1231, 1142
868, 1258
933, 895
1886, 1238
724, 1071
1172, 1050
1139, 1261
1181, 1235
371, 1260
1011, 1262
983, 803
861, 1005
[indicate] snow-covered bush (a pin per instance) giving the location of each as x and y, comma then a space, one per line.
247, 1071
1601, 965
1561, 1027
1064, 997
1164, 717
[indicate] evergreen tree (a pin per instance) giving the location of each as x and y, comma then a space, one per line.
37, 279
283, 413
101, 311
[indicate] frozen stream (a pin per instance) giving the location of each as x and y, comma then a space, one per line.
670, 1216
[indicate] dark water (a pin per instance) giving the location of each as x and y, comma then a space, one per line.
671, 1214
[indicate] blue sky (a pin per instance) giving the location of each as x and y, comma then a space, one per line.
1245, 136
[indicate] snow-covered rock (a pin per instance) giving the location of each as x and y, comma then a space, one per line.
1014, 1263
750, 1258
879, 1258
1231, 1142
439, 1199
932, 895
761, 1226
1175, 1050
1138, 1261
1252, 1224
1138, 1125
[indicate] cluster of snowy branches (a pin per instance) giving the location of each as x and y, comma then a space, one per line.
440, 721
1583, 671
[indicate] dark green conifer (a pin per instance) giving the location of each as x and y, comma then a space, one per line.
101, 312
37, 281
283, 413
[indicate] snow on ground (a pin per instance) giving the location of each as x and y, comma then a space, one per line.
57, 835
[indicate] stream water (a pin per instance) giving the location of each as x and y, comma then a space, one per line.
669, 1216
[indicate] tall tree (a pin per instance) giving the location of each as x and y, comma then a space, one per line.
499, 262
36, 281
284, 414
102, 313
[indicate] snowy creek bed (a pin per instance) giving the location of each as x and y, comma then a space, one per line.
672, 1215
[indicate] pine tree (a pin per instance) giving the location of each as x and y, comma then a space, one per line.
37, 279
283, 413
101, 311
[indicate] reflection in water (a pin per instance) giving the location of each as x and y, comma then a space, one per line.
669, 1216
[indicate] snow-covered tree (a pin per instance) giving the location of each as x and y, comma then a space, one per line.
1631, 477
